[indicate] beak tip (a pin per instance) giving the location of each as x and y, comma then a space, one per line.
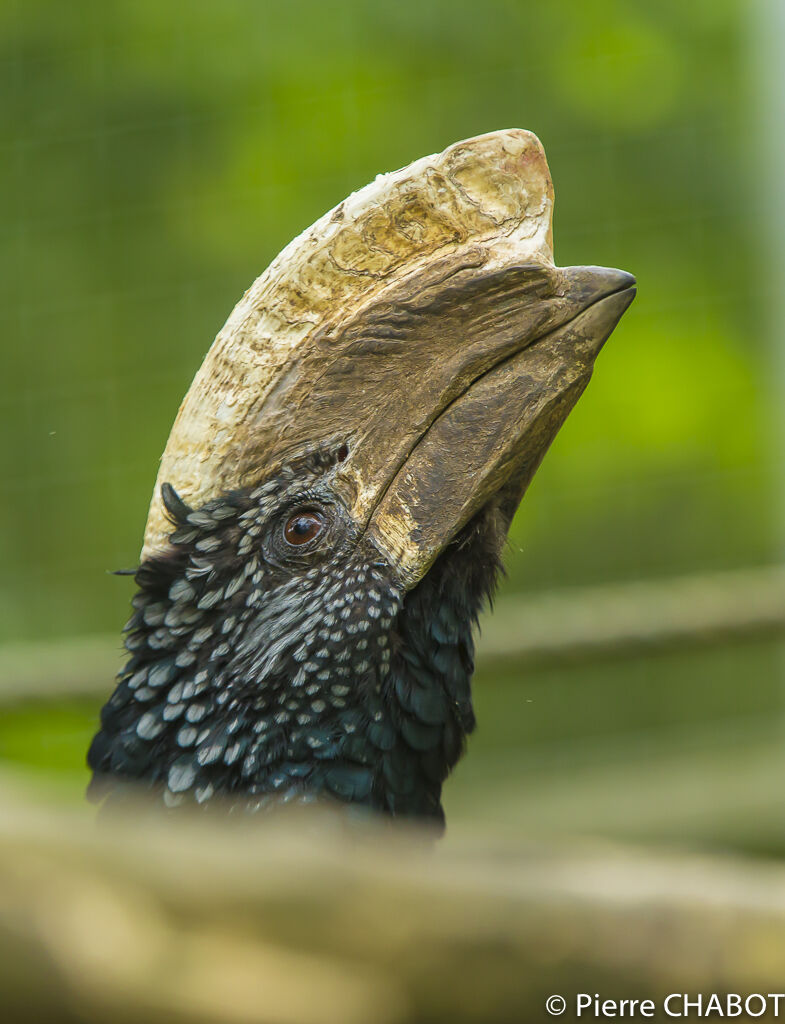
610, 280
589, 285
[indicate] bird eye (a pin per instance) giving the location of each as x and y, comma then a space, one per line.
303, 527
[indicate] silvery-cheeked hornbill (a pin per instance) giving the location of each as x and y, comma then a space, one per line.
337, 488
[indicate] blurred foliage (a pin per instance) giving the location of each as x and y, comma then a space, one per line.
155, 157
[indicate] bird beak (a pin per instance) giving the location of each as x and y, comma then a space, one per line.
489, 441
422, 329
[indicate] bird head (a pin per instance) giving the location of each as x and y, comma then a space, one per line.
337, 488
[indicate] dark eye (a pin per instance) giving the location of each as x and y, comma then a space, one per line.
303, 527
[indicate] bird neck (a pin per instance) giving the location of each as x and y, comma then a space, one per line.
428, 689
428, 697
367, 701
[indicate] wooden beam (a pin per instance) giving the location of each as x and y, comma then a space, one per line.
311, 920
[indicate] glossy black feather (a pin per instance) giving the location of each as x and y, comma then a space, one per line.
265, 676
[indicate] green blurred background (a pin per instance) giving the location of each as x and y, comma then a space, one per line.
156, 157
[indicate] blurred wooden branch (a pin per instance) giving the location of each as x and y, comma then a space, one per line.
78, 667
303, 920
578, 624
627, 618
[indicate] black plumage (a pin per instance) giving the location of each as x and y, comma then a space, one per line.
269, 673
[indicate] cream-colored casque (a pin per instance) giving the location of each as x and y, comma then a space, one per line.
491, 195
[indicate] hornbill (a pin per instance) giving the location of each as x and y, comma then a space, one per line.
336, 492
